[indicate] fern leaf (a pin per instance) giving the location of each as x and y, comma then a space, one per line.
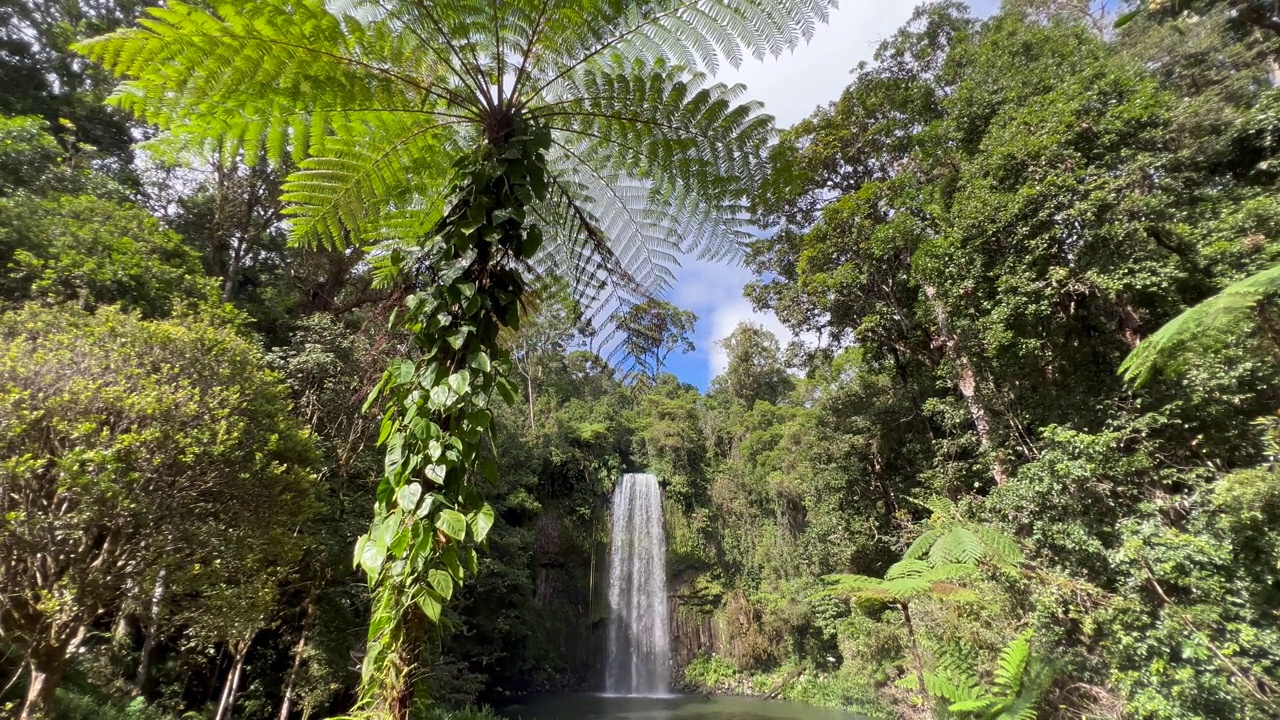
999, 548
956, 545
950, 572
978, 705
372, 99
922, 545
1012, 665
1202, 322
907, 569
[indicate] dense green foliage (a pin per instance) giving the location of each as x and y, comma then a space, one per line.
980, 230
591, 125
1020, 460
138, 454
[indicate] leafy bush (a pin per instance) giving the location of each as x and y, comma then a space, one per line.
842, 690
710, 671
73, 705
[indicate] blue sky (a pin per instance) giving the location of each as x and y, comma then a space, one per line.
791, 87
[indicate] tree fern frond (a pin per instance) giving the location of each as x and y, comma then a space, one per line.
689, 29
1235, 304
907, 569
257, 73
920, 547
363, 174
950, 572
641, 238
346, 90
952, 540
999, 547
846, 582
957, 544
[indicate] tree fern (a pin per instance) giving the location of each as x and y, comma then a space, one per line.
904, 582
1241, 302
467, 142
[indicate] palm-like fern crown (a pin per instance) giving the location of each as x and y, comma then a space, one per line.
904, 581
952, 539
374, 99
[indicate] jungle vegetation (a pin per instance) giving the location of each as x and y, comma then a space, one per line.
327, 329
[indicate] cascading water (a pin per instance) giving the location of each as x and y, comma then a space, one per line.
639, 634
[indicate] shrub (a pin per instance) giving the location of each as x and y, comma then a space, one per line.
710, 672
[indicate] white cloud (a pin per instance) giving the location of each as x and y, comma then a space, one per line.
714, 293
793, 85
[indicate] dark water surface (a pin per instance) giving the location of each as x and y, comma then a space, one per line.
675, 707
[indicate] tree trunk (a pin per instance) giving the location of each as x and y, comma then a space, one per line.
915, 649
532, 420
226, 693
232, 686
121, 630
396, 701
967, 382
153, 629
47, 666
1130, 323
286, 703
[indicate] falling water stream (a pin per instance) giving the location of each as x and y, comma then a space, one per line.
639, 632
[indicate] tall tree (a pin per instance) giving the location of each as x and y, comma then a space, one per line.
754, 370
42, 76
461, 135
651, 331
130, 446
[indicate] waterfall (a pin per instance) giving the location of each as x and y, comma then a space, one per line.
639, 634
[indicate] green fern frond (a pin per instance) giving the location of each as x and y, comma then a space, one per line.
1234, 305
975, 706
272, 75
372, 99
953, 540
957, 545
907, 569
1019, 680
952, 686
361, 186
951, 572
921, 546
1012, 665
1000, 548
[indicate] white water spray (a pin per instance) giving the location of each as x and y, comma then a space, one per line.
639, 630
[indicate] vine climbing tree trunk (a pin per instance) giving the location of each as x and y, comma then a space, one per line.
466, 287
